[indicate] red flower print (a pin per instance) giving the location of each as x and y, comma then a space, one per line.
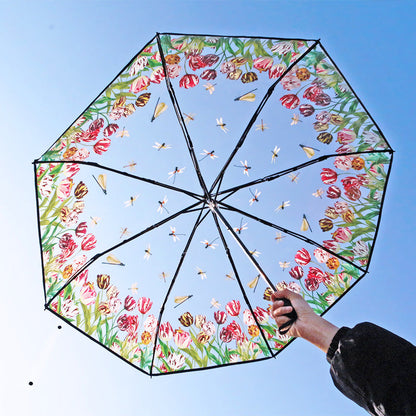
144, 305
333, 192
102, 146
89, 242
233, 307
296, 272
342, 235
188, 81
328, 176
196, 62
81, 229
209, 74
123, 322
290, 101
110, 129
263, 63
140, 84
129, 303
220, 317
226, 335
302, 257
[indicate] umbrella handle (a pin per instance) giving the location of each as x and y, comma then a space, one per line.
291, 315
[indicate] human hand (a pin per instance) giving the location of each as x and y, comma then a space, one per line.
309, 325
305, 313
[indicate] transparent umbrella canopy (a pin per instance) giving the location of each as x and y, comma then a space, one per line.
210, 171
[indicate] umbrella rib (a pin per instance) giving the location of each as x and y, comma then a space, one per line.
291, 233
175, 103
127, 240
257, 112
181, 260
276, 175
231, 260
130, 175
98, 96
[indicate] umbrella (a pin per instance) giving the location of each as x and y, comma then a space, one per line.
210, 171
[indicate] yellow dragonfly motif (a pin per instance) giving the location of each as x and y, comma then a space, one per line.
275, 155
124, 232
283, 205
262, 126
201, 273
284, 265
210, 87
123, 133
131, 201
147, 252
160, 146
221, 125
295, 119
134, 288
294, 177
94, 220
215, 304
279, 237
318, 194
131, 166
163, 276
189, 117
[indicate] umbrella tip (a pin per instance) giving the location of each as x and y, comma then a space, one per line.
30, 383
59, 327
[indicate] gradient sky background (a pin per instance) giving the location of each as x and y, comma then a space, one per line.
56, 56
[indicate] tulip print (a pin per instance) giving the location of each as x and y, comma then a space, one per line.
144, 305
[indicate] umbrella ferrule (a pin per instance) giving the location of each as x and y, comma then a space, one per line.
212, 205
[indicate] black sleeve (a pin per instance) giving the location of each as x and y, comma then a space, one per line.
375, 368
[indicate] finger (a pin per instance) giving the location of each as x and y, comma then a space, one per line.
281, 311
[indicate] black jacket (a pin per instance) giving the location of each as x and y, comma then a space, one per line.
375, 368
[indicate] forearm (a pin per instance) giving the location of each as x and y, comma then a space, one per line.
319, 332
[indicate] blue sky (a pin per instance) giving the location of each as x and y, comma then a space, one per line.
56, 57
